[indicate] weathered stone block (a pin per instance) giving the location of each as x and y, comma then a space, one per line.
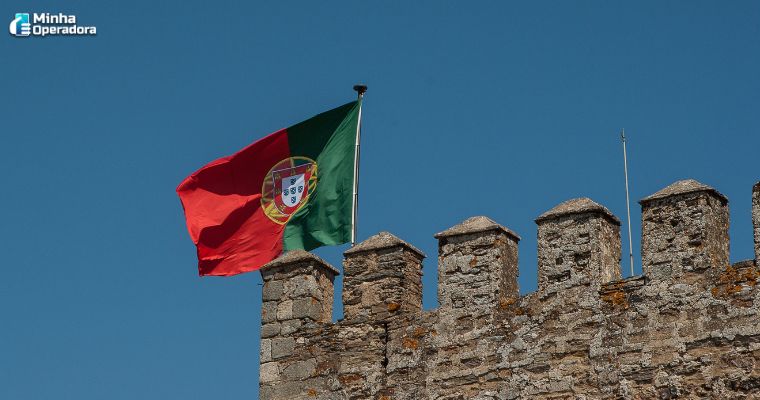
477, 266
285, 310
300, 369
309, 307
578, 245
298, 285
272, 291
268, 312
282, 347
270, 329
289, 327
269, 372
383, 278
265, 352
684, 233
304, 286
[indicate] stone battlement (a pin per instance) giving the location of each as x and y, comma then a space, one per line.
688, 328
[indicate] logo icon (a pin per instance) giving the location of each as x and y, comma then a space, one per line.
20, 25
287, 187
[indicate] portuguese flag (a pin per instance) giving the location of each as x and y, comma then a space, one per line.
290, 190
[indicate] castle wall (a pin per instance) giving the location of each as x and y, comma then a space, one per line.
688, 328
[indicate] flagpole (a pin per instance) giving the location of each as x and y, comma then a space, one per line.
627, 198
360, 89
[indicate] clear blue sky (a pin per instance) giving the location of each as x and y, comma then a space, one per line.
496, 108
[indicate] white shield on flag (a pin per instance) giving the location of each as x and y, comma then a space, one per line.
293, 188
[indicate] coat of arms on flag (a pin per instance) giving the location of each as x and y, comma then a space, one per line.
287, 187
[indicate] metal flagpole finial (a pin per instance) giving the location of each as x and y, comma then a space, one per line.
360, 89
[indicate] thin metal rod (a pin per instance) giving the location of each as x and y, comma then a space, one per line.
627, 199
360, 89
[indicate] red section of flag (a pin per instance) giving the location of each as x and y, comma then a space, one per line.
222, 203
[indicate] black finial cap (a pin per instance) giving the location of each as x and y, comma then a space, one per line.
360, 89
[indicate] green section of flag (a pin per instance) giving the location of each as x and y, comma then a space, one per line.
329, 139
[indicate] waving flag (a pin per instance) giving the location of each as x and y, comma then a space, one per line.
292, 189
